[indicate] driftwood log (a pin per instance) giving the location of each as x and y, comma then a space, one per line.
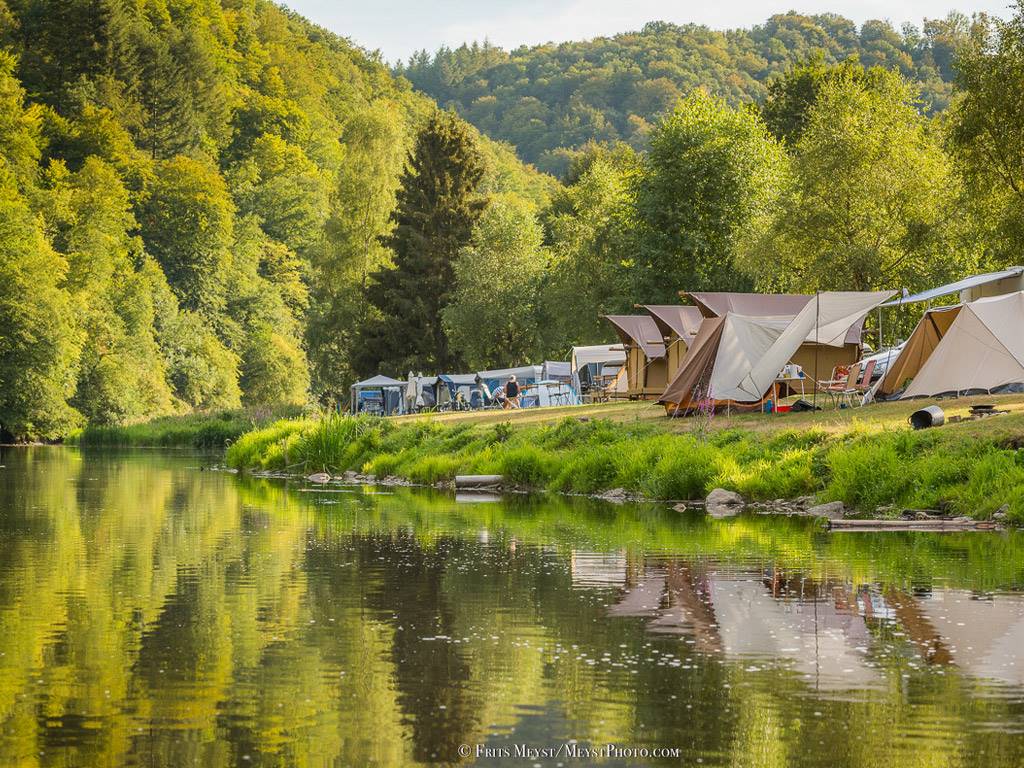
897, 524
478, 481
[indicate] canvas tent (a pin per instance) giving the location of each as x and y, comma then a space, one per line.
735, 359
817, 360
678, 326
592, 365
380, 395
977, 346
646, 366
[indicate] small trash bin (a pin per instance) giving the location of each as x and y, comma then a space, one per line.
932, 416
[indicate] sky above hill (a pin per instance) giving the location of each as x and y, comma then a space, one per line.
399, 27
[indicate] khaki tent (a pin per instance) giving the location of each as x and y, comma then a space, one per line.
646, 368
678, 326
968, 347
736, 359
817, 360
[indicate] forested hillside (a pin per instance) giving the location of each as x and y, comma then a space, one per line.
548, 100
191, 196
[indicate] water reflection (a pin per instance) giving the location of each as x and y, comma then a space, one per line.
155, 614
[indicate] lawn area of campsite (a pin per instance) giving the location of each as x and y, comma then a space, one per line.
876, 416
868, 458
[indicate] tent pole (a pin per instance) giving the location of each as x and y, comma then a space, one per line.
817, 311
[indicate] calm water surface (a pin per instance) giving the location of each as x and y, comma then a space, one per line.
154, 614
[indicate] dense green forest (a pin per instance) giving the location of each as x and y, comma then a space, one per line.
215, 203
192, 194
550, 100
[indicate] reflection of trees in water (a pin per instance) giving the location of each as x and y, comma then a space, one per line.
231, 618
433, 678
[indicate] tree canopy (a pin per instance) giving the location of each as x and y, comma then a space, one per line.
548, 100
194, 197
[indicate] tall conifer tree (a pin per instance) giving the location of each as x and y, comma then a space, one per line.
438, 205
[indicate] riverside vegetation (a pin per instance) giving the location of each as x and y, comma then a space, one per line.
974, 469
193, 430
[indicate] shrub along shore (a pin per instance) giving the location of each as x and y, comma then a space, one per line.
973, 469
210, 430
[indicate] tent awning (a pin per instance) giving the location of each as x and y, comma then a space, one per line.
557, 368
523, 372
959, 285
458, 379
718, 304
641, 330
681, 320
598, 353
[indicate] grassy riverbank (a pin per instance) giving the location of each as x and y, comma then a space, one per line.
195, 430
863, 458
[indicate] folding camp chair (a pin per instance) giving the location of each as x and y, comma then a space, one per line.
863, 385
837, 383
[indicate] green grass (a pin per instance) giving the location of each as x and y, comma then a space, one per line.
972, 468
215, 430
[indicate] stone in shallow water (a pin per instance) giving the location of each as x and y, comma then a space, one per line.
723, 503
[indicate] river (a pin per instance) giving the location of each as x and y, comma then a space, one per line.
155, 614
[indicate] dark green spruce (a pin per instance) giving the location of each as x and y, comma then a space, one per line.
438, 205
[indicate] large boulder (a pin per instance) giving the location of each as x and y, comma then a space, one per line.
723, 503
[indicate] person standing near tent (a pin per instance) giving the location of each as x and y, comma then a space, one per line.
512, 392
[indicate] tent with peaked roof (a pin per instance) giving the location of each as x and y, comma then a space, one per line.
678, 325
735, 359
816, 359
646, 367
978, 346
380, 395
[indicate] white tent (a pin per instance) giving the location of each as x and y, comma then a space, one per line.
525, 374
740, 356
974, 346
